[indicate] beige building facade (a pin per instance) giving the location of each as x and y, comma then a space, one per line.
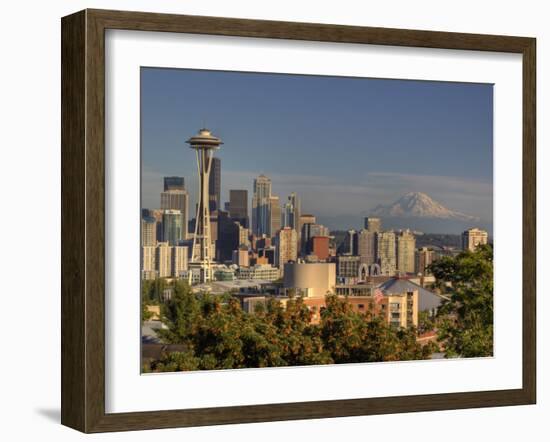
310, 280
386, 252
406, 246
471, 238
286, 244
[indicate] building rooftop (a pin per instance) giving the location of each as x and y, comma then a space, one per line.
427, 299
220, 287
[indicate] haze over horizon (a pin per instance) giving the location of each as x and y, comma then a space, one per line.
345, 145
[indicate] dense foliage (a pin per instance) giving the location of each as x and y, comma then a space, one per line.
218, 334
465, 322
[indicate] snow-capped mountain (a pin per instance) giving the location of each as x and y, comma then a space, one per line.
419, 205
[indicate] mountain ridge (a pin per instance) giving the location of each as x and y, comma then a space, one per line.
419, 205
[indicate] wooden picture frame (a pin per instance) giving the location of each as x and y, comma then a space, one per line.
83, 220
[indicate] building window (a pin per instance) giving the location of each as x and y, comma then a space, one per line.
395, 306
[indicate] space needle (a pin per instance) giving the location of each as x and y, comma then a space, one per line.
204, 144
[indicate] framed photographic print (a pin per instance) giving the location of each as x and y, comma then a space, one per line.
266, 221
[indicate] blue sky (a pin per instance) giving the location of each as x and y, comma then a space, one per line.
344, 145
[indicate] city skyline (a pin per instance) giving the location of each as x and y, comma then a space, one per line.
344, 185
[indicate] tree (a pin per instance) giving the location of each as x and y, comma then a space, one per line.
216, 334
351, 336
299, 340
466, 319
151, 291
426, 321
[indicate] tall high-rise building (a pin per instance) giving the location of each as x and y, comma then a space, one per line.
228, 236
423, 258
316, 230
163, 261
148, 231
350, 243
204, 143
386, 252
305, 221
178, 260
157, 215
309, 230
243, 236
238, 206
286, 246
274, 215
163, 258
148, 262
174, 183
373, 224
290, 215
406, 246
241, 257
366, 246
471, 238
347, 266
215, 185
261, 201
177, 199
291, 212
320, 247
172, 227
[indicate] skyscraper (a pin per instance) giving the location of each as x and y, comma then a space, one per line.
243, 236
350, 243
148, 262
177, 199
174, 183
261, 222
215, 185
406, 245
286, 246
163, 258
228, 236
148, 231
386, 252
238, 206
172, 227
366, 246
274, 215
373, 224
320, 247
291, 212
290, 215
178, 260
305, 221
241, 257
471, 238
423, 258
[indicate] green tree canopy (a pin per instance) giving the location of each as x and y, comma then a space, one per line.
218, 334
466, 319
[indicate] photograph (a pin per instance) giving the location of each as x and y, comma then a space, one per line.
299, 220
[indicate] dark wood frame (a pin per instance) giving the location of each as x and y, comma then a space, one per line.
83, 216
